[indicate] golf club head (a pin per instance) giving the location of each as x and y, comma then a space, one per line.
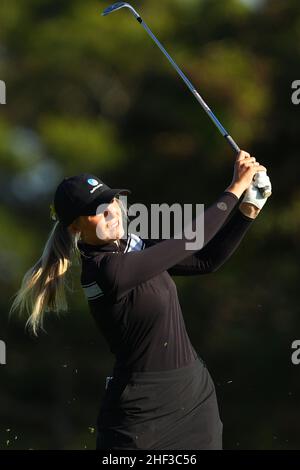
115, 7
118, 6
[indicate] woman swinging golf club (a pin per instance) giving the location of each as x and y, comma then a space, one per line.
160, 394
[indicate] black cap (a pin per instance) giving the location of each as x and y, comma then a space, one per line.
81, 195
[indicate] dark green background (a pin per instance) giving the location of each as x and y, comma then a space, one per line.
88, 93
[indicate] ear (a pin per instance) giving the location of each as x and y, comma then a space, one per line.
74, 227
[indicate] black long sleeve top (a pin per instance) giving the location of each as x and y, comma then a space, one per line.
134, 299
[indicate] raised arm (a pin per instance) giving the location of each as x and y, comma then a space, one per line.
217, 251
120, 272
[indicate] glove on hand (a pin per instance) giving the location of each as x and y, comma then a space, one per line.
253, 194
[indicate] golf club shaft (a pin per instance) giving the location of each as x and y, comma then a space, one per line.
206, 108
266, 191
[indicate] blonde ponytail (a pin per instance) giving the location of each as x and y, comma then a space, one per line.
43, 286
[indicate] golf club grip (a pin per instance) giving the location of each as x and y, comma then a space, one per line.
265, 191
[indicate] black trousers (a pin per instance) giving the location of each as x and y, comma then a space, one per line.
174, 409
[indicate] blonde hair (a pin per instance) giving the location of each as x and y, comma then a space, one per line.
43, 285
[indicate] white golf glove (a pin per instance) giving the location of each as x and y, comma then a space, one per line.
254, 194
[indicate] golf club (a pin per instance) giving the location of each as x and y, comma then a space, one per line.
265, 191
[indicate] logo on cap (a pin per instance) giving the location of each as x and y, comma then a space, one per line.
92, 182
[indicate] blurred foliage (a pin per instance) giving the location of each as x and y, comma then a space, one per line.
88, 93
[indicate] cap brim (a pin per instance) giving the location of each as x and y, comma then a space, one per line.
109, 194
105, 197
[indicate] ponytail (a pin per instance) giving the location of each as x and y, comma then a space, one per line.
43, 286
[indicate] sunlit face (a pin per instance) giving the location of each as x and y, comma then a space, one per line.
104, 227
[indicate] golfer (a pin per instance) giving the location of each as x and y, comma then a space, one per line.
160, 394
